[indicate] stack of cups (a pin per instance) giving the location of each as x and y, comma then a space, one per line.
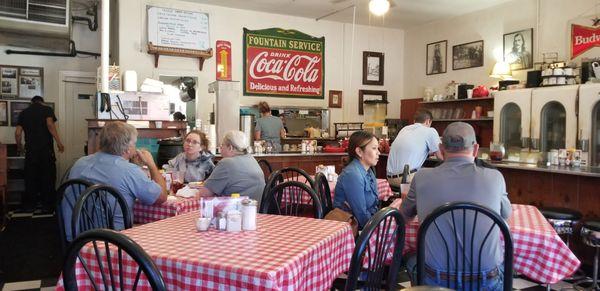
211, 132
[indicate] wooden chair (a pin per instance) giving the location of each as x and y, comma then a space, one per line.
100, 207
472, 225
110, 245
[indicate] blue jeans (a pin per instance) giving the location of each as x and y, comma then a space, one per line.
485, 284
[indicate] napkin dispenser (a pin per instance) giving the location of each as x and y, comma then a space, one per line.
461, 90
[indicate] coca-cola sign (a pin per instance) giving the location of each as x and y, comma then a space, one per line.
583, 38
283, 63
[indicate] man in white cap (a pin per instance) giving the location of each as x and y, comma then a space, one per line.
458, 179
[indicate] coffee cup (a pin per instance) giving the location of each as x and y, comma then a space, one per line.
561, 80
558, 71
469, 93
569, 71
202, 223
552, 81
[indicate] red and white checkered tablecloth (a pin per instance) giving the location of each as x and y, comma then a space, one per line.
285, 253
150, 213
539, 253
383, 189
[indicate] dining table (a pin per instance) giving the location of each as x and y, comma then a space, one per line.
284, 253
539, 253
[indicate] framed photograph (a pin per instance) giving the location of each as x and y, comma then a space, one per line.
31, 82
10, 84
15, 109
518, 49
373, 64
436, 57
3, 113
368, 95
467, 55
335, 99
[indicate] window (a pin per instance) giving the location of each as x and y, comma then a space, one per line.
554, 124
510, 126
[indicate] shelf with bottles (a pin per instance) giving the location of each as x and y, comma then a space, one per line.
344, 129
459, 100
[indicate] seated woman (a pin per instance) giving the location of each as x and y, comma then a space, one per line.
195, 160
356, 188
237, 172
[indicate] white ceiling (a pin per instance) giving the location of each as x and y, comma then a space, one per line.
403, 13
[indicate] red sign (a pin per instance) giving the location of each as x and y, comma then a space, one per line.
223, 60
283, 63
583, 38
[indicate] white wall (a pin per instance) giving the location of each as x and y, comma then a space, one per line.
343, 66
85, 40
489, 25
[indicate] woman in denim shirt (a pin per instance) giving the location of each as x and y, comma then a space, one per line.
195, 160
356, 188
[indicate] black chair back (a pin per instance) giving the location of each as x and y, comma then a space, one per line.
290, 198
99, 207
266, 168
68, 192
284, 175
384, 231
108, 246
323, 191
471, 233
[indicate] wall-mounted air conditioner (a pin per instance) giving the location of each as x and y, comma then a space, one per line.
50, 18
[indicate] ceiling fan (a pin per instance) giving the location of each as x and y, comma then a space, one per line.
392, 3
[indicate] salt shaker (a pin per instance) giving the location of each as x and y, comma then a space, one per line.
249, 208
234, 221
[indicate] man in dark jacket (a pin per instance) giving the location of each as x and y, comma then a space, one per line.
37, 122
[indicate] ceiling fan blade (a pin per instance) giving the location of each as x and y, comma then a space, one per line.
337, 1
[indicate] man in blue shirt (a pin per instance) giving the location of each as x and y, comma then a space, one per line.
411, 147
111, 166
458, 179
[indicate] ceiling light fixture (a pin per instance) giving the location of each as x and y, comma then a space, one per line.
379, 7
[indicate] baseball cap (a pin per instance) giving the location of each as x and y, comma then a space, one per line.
458, 136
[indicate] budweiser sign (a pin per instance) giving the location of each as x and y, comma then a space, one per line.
283, 63
583, 38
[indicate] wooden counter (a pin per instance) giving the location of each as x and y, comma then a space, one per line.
307, 162
145, 129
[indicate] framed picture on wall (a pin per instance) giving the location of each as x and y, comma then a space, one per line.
335, 99
518, 49
373, 63
370, 95
3, 113
10, 83
436, 57
15, 109
467, 55
31, 82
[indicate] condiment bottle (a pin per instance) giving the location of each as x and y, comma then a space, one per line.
249, 208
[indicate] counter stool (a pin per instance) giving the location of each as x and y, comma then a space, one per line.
590, 234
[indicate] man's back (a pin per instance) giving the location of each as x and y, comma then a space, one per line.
33, 121
459, 179
412, 146
112, 170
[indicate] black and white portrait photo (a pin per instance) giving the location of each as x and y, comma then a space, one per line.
518, 49
373, 63
436, 57
467, 55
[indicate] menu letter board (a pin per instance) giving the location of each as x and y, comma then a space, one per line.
283, 63
178, 28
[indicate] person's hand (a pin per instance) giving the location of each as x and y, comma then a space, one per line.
146, 157
61, 147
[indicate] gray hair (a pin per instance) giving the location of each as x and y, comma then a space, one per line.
237, 140
459, 137
116, 136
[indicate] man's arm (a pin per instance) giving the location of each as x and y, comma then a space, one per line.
257, 135
155, 175
52, 129
19, 137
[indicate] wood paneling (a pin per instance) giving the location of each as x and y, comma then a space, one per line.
408, 107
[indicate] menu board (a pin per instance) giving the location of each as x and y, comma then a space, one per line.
178, 28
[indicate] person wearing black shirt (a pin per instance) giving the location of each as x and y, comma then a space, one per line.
37, 122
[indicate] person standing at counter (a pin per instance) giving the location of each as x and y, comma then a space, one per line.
237, 172
411, 147
195, 160
356, 188
269, 128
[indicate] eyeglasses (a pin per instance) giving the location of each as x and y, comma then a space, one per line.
192, 142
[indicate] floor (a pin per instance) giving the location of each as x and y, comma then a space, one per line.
41, 257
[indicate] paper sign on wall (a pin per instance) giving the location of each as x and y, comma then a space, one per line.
283, 63
223, 60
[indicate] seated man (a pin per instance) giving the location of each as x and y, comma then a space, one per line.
110, 166
237, 172
458, 179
